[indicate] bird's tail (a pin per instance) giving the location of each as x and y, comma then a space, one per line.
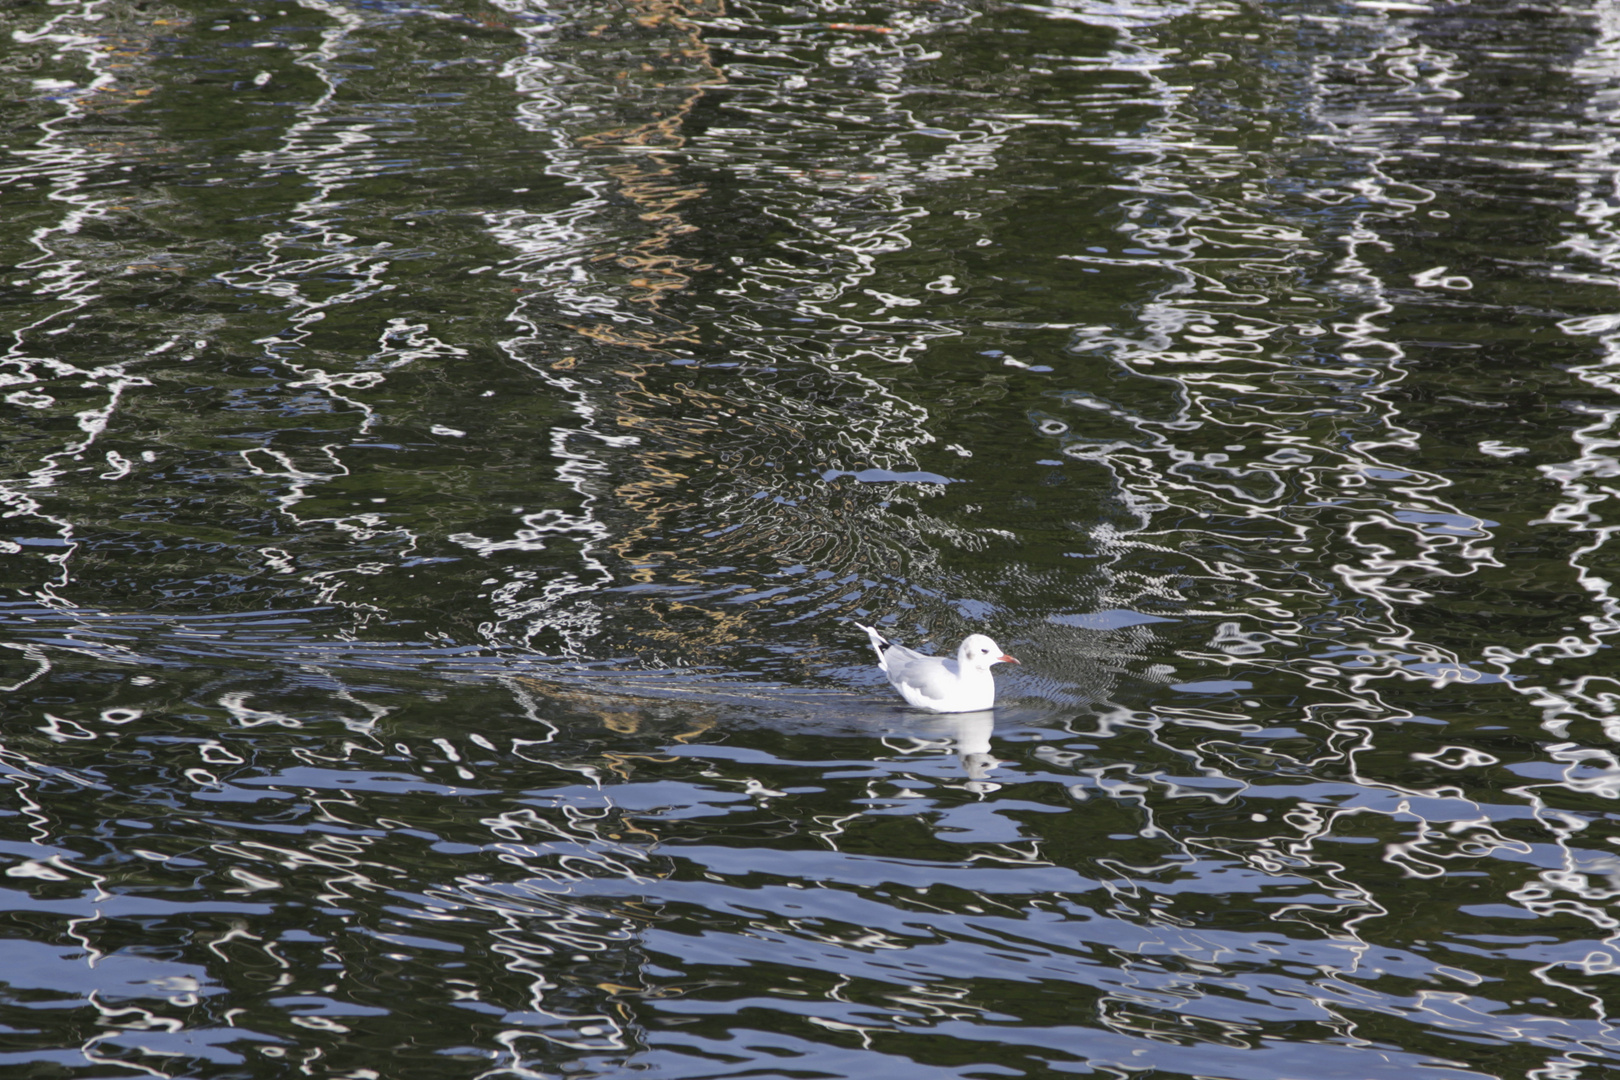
879, 643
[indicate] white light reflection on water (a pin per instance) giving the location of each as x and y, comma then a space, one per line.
1582, 879
762, 447
674, 874
66, 273
1394, 522
1588, 699
329, 150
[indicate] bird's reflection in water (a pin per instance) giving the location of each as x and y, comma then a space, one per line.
966, 734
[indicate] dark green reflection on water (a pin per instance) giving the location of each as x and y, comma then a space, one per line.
444, 449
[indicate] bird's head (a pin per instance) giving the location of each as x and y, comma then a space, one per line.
979, 651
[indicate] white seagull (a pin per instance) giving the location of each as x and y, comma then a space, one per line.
938, 684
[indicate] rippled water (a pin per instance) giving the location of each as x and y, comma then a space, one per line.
445, 447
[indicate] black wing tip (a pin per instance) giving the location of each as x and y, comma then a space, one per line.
883, 644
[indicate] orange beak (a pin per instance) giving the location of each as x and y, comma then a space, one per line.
1008, 660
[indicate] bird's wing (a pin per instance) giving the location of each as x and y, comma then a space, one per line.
892, 656
930, 676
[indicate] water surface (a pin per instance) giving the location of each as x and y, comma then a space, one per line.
445, 447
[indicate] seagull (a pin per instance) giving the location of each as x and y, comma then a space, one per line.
937, 684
